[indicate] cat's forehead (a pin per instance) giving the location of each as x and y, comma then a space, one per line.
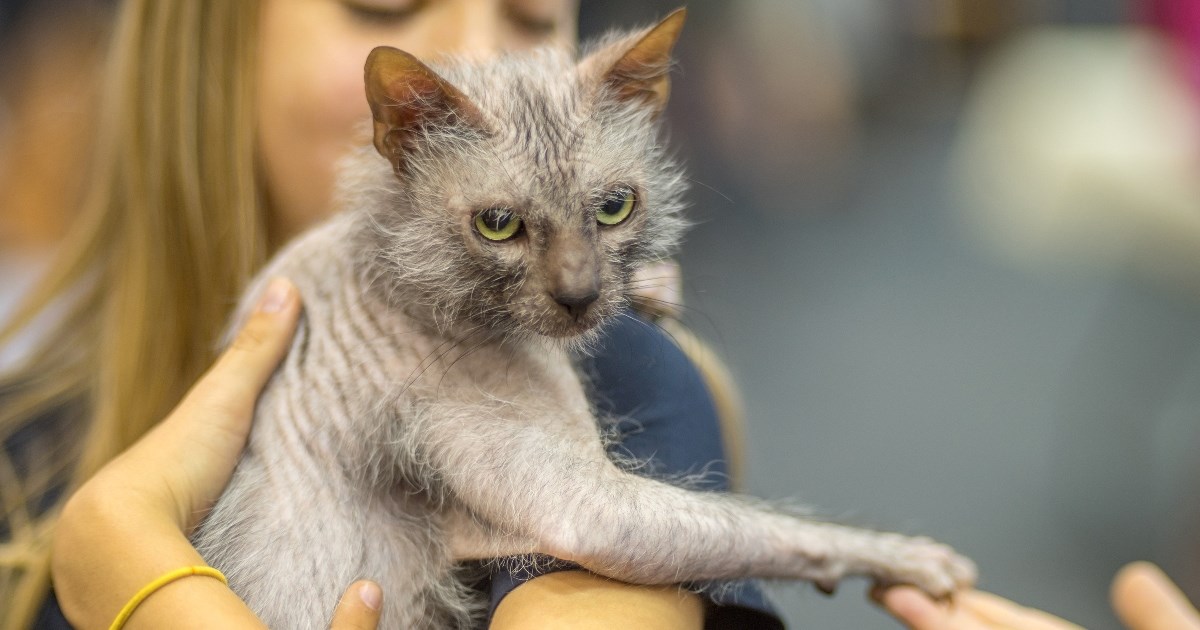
507, 85
549, 133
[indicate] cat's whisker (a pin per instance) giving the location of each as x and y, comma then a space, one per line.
675, 305
438, 387
664, 281
655, 326
711, 188
430, 360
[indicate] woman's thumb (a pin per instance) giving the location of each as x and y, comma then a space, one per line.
233, 384
360, 607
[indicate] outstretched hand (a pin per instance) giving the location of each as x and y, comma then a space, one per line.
129, 523
1146, 599
1142, 595
970, 610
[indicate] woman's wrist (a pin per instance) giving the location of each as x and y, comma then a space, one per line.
115, 545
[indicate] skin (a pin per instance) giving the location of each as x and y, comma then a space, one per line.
134, 515
1143, 597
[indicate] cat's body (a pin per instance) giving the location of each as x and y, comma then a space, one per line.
428, 411
332, 486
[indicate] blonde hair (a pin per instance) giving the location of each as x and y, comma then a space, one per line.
172, 226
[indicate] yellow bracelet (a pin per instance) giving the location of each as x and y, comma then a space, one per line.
158, 583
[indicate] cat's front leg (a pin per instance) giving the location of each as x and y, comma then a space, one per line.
471, 538
549, 480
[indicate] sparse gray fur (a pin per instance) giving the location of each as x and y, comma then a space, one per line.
428, 411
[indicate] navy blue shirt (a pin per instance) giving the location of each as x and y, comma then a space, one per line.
667, 419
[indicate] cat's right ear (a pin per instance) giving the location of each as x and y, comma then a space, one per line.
637, 68
405, 95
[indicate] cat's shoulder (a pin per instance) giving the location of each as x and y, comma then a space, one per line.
333, 237
319, 257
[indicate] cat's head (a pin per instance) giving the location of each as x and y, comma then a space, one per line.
523, 192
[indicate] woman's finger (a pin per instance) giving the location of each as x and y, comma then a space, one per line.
658, 289
971, 610
1004, 613
915, 609
1146, 599
359, 607
232, 385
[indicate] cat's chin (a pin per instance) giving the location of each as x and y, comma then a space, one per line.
568, 330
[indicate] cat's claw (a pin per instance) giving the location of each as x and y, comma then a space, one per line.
827, 587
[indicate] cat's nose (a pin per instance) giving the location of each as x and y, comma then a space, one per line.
576, 305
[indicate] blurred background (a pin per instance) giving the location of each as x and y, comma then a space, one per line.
950, 248
951, 251
50, 59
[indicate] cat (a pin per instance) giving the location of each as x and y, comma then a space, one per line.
428, 411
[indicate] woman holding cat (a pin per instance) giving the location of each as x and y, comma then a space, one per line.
219, 130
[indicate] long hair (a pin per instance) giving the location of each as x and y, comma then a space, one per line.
171, 228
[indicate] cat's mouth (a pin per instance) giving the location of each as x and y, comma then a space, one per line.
570, 325
555, 320
571, 329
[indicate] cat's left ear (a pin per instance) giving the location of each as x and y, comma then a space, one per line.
637, 68
406, 95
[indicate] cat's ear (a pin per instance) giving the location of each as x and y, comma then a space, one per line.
405, 95
638, 67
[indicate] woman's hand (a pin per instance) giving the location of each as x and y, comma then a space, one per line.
128, 524
1142, 595
1146, 599
657, 289
970, 610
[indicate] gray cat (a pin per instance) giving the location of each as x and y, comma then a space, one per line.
429, 412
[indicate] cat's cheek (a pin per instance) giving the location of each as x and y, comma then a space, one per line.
623, 244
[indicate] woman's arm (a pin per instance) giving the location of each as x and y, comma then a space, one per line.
578, 599
126, 526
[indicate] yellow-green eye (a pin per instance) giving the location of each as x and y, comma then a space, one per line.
497, 224
616, 207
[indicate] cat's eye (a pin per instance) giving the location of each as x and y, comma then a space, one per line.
617, 206
497, 224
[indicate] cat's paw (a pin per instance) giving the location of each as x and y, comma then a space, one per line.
926, 564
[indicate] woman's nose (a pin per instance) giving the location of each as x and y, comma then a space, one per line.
477, 29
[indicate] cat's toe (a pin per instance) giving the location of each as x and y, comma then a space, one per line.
932, 567
938, 584
964, 571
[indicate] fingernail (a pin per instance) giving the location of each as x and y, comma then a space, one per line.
371, 595
276, 296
